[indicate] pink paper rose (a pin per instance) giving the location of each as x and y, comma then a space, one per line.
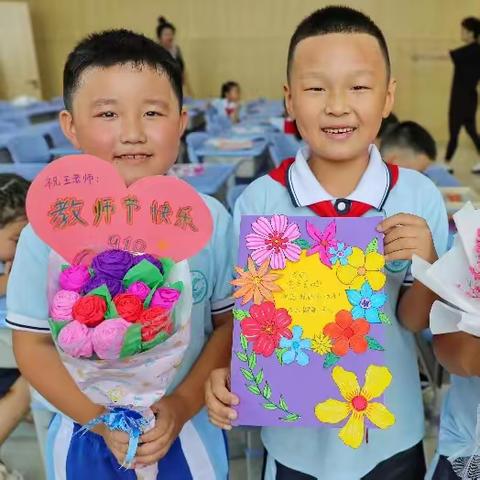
140, 289
75, 339
107, 338
62, 304
165, 298
74, 278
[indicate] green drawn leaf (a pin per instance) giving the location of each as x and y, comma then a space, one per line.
283, 405
384, 318
373, 344
240, 314
302, 243
372, 246
254, 389
252, 361
243, 341
279, 353
242, 356
292, 417
248, 375
330, 360
267, 391
269, 406
259, 377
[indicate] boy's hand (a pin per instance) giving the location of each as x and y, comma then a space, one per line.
406, 235
117, 442
219, 399
168, 424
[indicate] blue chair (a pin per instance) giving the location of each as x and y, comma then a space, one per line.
233, 194
26, 170
7, 127
55, 137
16, 116
195, 140
286, 145
28, 149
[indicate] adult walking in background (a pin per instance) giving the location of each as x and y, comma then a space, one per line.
464, 98
166, 38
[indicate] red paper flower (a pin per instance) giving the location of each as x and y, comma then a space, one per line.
154, 321
89, 310
347, 334
129, 306
265, 327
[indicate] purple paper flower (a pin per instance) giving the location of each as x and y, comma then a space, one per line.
114, 285
140, 289
112, 263
150, 258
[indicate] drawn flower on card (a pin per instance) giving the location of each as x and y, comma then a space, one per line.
366, 303
294, 348
347, 334
358, 403
363, 267
340, 254
322, 344
265, 327
255, 284
322, 241
273, 240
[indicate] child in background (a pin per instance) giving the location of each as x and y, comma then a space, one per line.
229, 102
409, 145
14, 390
123, 98
339, 87
386, 125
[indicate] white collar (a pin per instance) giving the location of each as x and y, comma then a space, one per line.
372, 189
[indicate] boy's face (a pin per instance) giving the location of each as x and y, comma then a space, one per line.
128, 116
9, 238
338, 92
233, 95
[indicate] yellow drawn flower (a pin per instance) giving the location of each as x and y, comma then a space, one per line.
322, 344
361, 268
256, 285
358, 404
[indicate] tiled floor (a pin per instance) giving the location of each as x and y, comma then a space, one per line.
21, 451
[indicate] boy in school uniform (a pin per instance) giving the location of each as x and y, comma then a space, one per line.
123, 95
339, 88
409, 145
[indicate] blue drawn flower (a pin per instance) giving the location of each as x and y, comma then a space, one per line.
295, 347
340, 254
366, 303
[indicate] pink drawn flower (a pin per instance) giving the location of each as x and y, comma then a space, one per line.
323, 241
273, 239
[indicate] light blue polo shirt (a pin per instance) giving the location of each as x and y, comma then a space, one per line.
211, 269
318, 451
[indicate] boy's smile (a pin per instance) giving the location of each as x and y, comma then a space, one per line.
128, 115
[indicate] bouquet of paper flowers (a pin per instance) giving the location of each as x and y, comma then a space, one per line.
455, 278
121, 323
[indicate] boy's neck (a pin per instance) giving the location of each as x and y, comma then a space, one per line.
339, 179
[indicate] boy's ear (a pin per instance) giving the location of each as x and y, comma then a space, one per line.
288, 101
68, 127
183, 121
390, 98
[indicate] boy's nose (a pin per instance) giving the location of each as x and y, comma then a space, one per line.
336, 104
132, 131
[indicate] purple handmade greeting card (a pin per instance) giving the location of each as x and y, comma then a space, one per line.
308, 345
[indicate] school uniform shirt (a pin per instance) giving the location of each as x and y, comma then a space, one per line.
318, 451
441, 177
200, 451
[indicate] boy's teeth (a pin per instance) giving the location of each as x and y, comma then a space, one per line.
338, 130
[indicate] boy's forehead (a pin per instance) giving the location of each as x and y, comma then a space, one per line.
349, 52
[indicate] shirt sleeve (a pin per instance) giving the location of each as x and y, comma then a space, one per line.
222, 300
27, 303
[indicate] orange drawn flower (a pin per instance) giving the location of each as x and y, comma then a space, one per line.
256, 285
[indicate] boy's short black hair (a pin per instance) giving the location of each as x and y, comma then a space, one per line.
387, 124
226, 87
13, 194
336, 19
410, 135
118, 47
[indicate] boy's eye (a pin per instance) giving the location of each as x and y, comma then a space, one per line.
360, 87
107, 114
153, 113
315, 89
